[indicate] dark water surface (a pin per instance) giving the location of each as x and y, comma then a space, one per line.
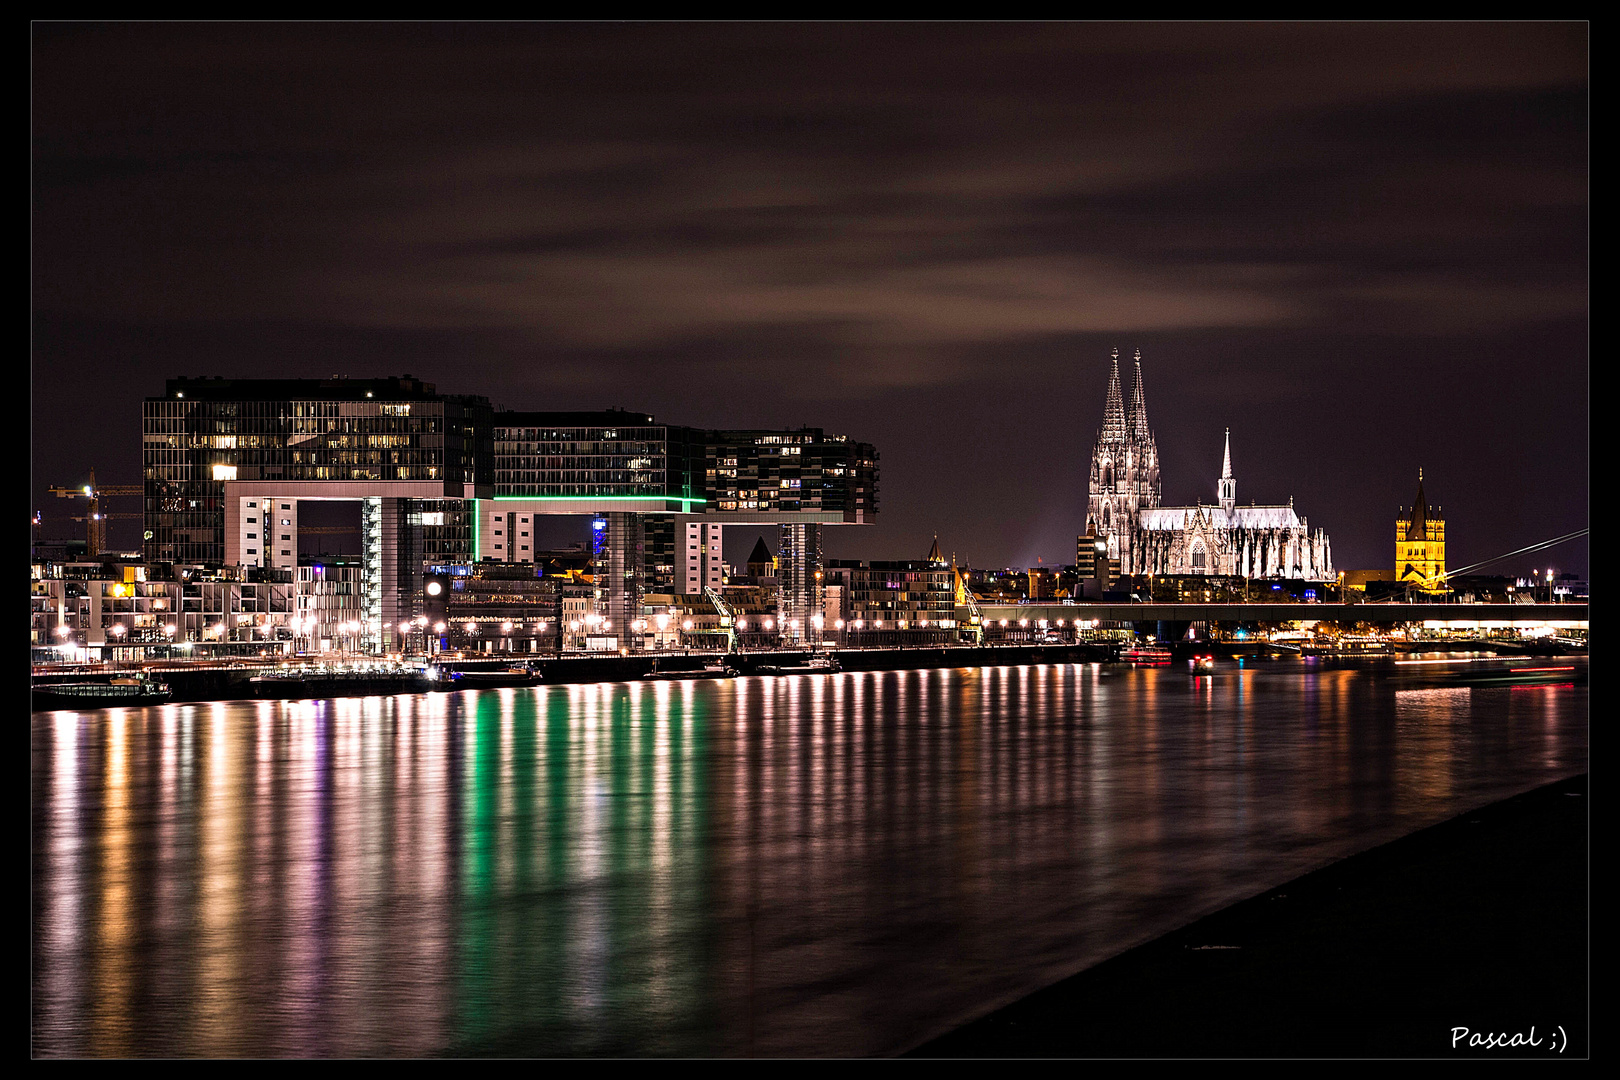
808, 865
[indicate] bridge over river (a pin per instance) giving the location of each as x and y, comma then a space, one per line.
1456, 616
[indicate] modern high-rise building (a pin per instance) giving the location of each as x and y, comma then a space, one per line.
444, 479
227, 462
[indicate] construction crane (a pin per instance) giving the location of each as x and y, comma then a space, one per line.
95, 532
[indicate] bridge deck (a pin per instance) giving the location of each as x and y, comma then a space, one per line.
1505, 614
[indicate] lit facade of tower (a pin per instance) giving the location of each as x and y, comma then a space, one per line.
1226, 490
1124, 466
1420, 544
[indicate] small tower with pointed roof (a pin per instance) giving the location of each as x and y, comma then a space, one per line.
761, 563
1420, 544
1227, 488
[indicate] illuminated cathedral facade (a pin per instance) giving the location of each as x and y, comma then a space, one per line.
1224, 538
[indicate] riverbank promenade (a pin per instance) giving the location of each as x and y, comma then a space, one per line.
1424, 947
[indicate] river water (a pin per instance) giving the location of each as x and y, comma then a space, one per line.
803, 865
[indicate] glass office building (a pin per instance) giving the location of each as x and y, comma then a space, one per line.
336, 438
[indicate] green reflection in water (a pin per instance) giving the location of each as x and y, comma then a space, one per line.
583, 876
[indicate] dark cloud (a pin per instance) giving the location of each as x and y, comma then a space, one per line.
927, 235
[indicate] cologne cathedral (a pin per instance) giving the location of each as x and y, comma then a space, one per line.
1222, 539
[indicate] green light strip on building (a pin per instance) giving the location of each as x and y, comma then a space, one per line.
597, 498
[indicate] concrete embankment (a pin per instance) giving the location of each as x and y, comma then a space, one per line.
1479, 924
577, 669
192, 684
215, 683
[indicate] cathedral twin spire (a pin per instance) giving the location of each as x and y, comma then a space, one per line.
1114, 429
1118, 426
1138, 425
1125, 463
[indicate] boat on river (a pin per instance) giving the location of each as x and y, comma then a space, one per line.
1349, 646
708, 671
298, 683
111, 694
1529, 673
820, 665
1145, 654
516, 675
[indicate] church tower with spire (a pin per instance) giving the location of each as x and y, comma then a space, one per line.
1420, 544
1124, 466
1226, 490
1144, 452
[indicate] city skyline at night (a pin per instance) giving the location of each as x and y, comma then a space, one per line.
1360, 247
825, 540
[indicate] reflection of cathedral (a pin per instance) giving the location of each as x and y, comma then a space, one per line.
1146, 538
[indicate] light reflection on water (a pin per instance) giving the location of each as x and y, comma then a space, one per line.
805, 865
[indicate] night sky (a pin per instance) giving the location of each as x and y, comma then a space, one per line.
1361, 247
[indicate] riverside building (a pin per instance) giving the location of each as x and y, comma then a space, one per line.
896, 602
444, 479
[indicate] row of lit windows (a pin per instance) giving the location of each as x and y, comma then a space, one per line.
366, 409
578, 460
652, 436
